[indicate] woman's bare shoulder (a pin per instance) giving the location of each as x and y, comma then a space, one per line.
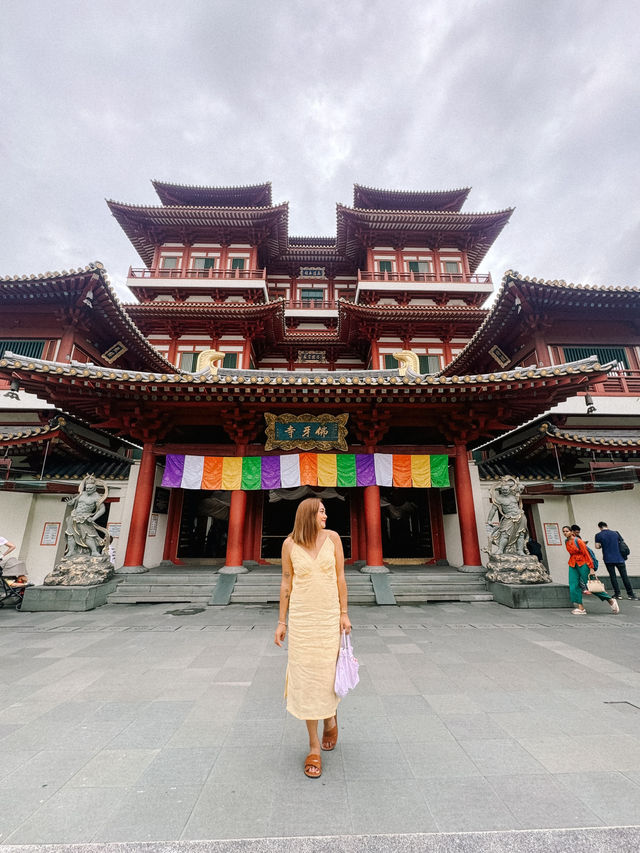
287, 545
335, 537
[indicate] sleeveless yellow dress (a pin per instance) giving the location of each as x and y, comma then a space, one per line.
314, 634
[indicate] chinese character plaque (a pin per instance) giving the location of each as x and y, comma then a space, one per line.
306, 432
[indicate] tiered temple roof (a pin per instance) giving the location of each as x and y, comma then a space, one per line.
474, 233
257, 195
517, 294
68, 292
368, 198
149, 227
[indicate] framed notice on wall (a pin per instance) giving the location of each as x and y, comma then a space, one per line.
552, 533
50, 533
114, 529
153, 525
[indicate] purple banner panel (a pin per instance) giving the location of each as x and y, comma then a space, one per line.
270, 472
365, 469
173, 471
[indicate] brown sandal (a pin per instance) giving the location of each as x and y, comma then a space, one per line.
330, 737
315, 761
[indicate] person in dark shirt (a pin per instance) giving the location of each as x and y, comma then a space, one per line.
535, 549
609, 542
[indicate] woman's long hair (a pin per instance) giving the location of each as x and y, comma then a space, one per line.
305, 526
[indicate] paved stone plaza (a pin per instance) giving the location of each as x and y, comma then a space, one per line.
155, 723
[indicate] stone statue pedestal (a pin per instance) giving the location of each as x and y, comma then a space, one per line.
81, 570
516, 568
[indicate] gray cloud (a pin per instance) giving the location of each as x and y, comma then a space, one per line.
533, 104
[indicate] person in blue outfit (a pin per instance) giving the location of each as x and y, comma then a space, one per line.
609, 542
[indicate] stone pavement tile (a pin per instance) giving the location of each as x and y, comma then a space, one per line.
501, 757
405, 649
530, 724
614, 797
394, 684
165, 711
354, 729
232, 810
454, 703
372, 760
48, 769
145, 734
537, 802
465, 804
257, 732
126, 712
261, 708
388, 805
420, 728
21, 804
243, 764
154, 813
190, 735
113, 768
438, 759
310, 807
405, 705
69, 816
569, 755
13, 757
178, 767
473, 726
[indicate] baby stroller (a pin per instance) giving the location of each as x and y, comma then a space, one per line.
12, 586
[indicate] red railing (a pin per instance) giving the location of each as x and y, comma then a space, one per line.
620, 382
424, 277
210, 274
312, 304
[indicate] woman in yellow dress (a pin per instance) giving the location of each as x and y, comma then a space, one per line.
314, 592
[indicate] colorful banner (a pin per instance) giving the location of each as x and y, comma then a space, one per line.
337, 470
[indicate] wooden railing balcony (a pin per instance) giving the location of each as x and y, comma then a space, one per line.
212, 274
620, 382
312, 305
423, 277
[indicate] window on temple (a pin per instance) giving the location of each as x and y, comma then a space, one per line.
419, 267
385, 266
188, 361
237, 263
230, 359
29, 349
204, 263
169, 263
308, 294
604, 355
429, 363
452, 267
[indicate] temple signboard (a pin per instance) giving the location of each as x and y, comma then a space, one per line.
306, 432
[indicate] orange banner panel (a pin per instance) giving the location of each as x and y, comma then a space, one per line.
212, 473
401, 472
308, 469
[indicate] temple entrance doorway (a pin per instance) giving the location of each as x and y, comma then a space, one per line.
204, 524
279, 511
406, 523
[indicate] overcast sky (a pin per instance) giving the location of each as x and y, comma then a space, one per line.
532, 103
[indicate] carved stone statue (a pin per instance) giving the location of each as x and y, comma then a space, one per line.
510, 534
86, 558
509, 561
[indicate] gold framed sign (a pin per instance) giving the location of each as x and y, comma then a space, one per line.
306, 432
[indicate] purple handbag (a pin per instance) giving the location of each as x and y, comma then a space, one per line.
346, 668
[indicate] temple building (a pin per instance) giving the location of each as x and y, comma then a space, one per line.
257, 368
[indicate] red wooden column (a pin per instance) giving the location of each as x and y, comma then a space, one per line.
466, 513
172, 537
66, 345
140, 513
235, 536
373, 531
